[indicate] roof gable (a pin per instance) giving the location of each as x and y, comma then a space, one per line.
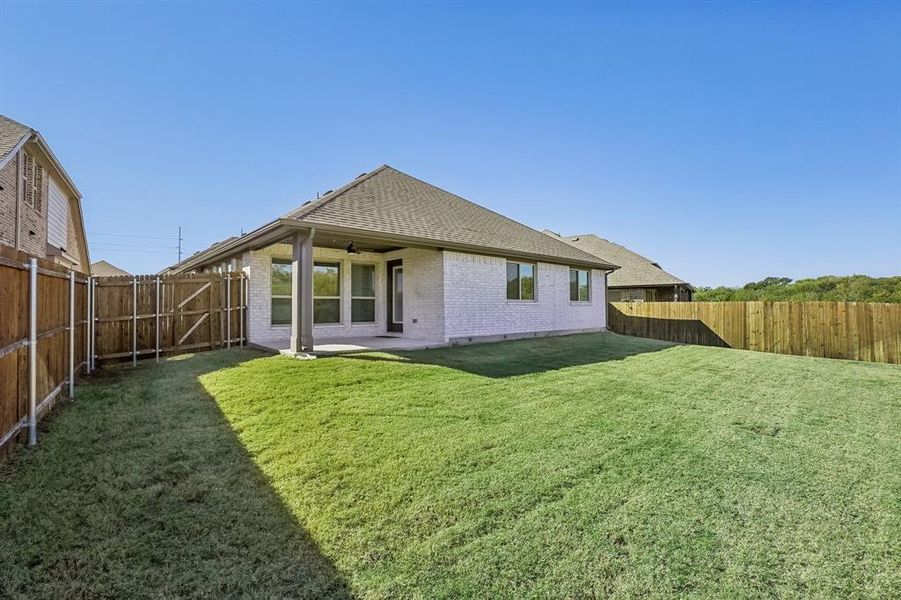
389, 202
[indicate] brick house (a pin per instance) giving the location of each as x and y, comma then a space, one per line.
390, 255
40, 207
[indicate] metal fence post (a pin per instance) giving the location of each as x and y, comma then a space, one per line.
71, 334
134, 321
157, 328
33, 352
242, 307
87, 325
93, 323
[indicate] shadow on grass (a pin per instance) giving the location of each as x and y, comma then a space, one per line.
523, 357
141, 488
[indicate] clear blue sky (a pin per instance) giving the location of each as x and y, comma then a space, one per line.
728, 141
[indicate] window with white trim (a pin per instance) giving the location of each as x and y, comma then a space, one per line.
520, 281
579, 285
280, 274
326, 293
362, 293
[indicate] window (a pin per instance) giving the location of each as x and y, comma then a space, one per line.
33, 182
362, 293
520, 281
579, 285
281, 291
326, 293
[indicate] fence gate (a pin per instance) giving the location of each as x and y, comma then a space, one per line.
151, 315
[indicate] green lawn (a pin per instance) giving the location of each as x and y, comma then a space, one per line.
591, 465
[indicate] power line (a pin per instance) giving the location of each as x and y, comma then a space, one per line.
140, 246
129, 235
169, 253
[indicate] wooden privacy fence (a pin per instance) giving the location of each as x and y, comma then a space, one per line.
55, 324
851, 330
43, 341
147, 315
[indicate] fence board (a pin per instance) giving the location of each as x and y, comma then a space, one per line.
850, 330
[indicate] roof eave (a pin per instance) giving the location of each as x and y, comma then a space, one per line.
15, 149
276, 230
475, 249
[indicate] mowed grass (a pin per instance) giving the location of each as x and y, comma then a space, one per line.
592, 465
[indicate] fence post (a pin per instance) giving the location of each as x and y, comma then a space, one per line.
157, 328
92, 288
134, 321
71, 334
33, 352
87, 325
242, 305
228, 307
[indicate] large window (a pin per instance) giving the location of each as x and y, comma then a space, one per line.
520, 281
281, 291
579, 285
362, 293
326, 293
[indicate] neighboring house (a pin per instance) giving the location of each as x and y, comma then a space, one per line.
388, 254
101, 268
638, 279
40, 207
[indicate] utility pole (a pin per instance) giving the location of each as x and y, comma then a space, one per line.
179, 244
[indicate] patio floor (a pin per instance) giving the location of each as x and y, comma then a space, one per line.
324, 346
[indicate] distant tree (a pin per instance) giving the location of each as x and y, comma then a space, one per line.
852, 288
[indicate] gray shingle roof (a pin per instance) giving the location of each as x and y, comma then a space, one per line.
635, 270
11, 132
390, 202
101, 268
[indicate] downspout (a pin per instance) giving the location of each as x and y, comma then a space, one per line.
19, 174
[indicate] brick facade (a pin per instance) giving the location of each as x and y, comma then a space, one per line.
448, 296
476, 305
32, 219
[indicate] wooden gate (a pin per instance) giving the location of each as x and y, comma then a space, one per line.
156, 316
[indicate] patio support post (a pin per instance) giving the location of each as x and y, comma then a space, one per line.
302, 292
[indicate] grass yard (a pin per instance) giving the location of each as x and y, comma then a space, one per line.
590, 465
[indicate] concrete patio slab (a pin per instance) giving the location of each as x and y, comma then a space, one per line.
329, 346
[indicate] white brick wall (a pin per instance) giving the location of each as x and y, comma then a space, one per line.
447, 295
423, 296
475, 300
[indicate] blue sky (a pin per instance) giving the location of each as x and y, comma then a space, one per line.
727, 141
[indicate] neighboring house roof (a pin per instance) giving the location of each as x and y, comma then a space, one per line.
101, 268
635, 270
12, 135
392, 205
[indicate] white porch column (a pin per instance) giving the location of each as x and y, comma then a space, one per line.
302, 292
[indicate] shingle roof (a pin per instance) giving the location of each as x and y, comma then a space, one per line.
635, 270
101, 268
390, 202
11, 133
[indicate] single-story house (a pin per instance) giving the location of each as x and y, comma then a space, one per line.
102, 268
390, 255
40, 207
638, 279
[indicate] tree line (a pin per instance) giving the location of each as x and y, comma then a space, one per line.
851, 288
